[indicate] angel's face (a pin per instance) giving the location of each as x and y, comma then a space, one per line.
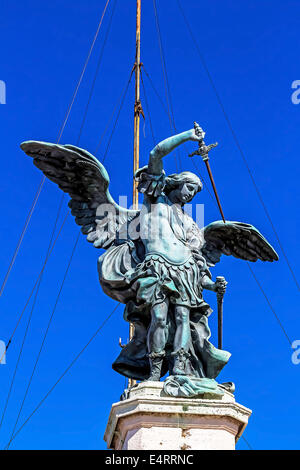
184, 193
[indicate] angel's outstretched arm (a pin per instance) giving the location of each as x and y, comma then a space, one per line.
162, 149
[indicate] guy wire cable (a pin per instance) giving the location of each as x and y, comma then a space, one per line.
83, 120
166, 82
40, 187
251, 270
50, 249
62, 375
97, 71
259, 195
46, 332
37, 284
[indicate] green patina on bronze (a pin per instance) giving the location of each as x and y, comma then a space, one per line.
157, 262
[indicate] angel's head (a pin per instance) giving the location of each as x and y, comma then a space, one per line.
182, 187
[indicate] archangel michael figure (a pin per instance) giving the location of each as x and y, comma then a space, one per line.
157, 261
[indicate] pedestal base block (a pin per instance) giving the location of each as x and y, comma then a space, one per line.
150, 420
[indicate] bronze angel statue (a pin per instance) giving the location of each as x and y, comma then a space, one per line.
157, 261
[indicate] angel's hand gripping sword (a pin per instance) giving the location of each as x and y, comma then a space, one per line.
203, 152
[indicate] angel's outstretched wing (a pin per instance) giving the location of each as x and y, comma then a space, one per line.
241, 240
85, 179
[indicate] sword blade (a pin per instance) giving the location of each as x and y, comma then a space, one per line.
215, 189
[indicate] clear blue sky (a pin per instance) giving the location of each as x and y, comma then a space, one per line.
252, 52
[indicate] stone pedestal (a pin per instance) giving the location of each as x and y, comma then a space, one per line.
150, 420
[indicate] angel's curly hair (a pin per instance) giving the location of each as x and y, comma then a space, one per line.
176, 179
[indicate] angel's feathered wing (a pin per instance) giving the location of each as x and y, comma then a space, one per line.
85, 179
241, 240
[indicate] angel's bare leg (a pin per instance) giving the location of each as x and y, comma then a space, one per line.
183, 332
157, 337
157, 332
182, 339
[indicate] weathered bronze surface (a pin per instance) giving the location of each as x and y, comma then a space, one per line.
156, 261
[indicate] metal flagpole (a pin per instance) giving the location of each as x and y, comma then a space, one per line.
137, 112
137, 103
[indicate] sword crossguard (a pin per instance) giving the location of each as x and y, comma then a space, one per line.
203, 149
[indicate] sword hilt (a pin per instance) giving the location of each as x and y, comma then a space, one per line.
203, 149
199, 131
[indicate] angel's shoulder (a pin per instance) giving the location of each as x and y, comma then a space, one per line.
149, 184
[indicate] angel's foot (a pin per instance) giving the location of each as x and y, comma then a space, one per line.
180, 362
156, 360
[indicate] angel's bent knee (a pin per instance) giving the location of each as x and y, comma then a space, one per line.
181, 315
159, 317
